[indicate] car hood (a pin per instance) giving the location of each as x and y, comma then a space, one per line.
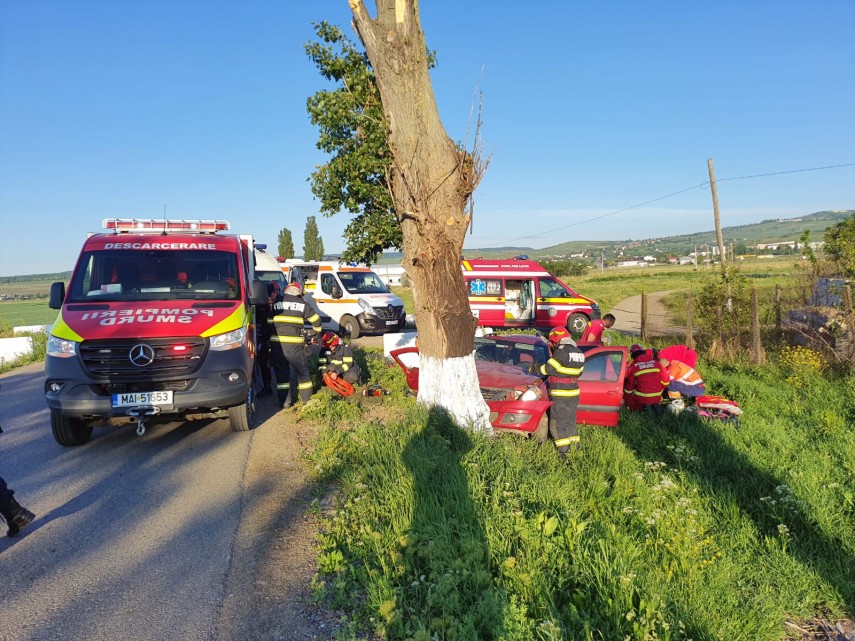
498, 376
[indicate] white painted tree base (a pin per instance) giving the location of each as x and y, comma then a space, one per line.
452, 384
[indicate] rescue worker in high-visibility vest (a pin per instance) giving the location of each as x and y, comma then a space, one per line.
563, 369
594, 329
337, 358
684, 380
289, 314
645, 380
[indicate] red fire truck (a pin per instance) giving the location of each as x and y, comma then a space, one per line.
521, 293
157, 320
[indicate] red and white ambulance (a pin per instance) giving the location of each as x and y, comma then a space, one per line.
157, 319
521, 293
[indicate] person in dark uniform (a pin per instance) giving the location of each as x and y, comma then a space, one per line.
564, 367
16, 517
337, 358
264, 318
289, 315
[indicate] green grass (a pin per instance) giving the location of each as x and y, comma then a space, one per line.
26, 312
659, 529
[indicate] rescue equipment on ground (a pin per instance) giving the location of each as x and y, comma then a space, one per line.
338, 384
374, 390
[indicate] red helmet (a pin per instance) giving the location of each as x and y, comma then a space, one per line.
330, 340
635, 349
557, 334
294, 288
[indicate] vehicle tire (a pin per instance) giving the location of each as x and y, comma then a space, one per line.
576, 324
240, 416
68, 431
541, 434
349, 326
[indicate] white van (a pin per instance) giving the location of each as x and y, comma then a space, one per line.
351, 300
267, 268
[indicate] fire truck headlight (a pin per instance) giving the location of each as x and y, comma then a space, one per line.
366, 307
60, 347
229, 340
530, 394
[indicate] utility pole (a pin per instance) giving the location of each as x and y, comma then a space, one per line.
602, 260
718, 235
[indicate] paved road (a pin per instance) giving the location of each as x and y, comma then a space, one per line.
135, 535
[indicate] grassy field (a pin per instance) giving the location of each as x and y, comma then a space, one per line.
26, 312
675, 528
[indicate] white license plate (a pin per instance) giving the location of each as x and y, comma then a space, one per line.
391, 322
142, 398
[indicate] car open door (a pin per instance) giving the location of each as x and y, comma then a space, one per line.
601, 385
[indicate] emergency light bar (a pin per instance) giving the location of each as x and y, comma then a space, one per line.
142, 225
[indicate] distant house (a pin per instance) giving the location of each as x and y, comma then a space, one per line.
686, 260
673, 260
631, 263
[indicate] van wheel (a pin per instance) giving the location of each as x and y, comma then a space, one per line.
69, 431
240, 417
349, 326
576, 323
541, 434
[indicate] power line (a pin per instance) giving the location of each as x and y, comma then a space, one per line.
702, 185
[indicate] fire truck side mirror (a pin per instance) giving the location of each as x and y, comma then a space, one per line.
57, 295
259, 293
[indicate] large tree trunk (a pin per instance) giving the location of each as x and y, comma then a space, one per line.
432, 181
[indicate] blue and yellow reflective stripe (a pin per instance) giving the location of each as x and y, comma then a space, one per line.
295, 320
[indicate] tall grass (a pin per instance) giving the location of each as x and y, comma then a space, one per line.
670, 528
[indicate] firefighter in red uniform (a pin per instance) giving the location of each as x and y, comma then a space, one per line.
337, 358
645, 380
563, 369
594, 329
289, 314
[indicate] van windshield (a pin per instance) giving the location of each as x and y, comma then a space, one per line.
133, 275
362, 283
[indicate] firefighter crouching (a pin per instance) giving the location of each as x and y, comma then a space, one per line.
563, 369
336, 359
645, 380
289, 314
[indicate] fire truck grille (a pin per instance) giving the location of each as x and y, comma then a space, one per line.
493, 394
391, 312
142, 359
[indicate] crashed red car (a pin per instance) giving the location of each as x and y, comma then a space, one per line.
508, 371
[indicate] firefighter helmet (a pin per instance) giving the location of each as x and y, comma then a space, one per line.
330, 340
635, 349
557, 334
294, 288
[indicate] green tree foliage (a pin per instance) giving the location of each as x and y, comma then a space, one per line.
724, 313
313, 244
840, 245
564, 267
353, 131
286, 243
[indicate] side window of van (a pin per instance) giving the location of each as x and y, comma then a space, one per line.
550, 288
327, 283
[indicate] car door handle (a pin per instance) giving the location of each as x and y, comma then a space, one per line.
613, 393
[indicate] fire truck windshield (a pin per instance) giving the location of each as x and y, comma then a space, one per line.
133, 275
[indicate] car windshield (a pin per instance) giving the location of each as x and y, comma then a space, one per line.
362, 283
525, 356
133, 275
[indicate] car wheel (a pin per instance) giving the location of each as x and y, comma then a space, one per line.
349, 326
68, 431
576, 323
541, 434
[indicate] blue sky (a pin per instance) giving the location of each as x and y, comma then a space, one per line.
121, 108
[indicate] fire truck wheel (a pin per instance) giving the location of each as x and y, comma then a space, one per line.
349, 326
68, 431
240, 417
576, 323
541, 434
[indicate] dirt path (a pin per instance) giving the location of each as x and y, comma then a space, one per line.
628, 316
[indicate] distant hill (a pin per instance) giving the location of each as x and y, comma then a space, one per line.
768, 231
